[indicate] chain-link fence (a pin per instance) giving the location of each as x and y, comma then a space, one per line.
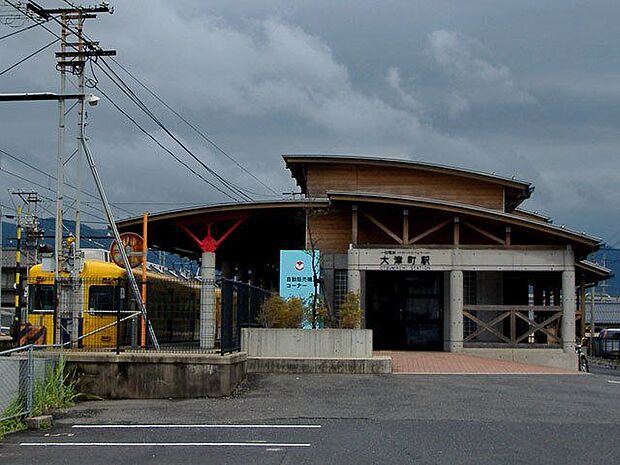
21, 371
6, 319
101, 314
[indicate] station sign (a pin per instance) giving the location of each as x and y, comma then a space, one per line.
398, 260
296, 274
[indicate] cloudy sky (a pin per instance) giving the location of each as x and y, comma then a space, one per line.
522, 88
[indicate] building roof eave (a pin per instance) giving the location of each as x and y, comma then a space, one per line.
296, 161
456, 207
222, 208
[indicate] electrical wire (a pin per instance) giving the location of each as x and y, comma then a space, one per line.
91, 46
35, 183
236, 190
14, 65
150, 136
52, 177
202, 134
21, 30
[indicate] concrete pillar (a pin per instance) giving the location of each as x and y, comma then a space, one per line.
568, 311
354, 276
446, 311
454, 342
207, 301
354, 281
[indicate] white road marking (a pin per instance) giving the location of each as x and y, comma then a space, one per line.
613, 382
164, 444
487, 373
206, 426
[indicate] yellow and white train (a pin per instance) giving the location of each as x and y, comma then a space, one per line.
173, 305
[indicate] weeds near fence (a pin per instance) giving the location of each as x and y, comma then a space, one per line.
57, 390
14, 412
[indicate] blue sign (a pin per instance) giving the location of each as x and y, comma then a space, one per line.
296, 276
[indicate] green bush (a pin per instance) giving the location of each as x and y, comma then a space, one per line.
279, 313
295, 312
350, 312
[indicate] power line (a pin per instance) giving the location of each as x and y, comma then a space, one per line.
52, 177
14, 65
4, 170
193, 127
137, 102
90, 45
135, 99
19, 31
7, 207
150, 136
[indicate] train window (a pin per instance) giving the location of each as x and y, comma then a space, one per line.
41, 298
103, 298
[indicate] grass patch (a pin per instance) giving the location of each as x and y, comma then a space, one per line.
16, 410
57, 390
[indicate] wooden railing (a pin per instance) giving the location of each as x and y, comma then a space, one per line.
512, 325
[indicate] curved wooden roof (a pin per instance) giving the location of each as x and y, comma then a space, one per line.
518, 190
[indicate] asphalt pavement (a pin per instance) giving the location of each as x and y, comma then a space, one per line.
346, 419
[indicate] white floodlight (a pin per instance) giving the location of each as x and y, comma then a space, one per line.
92, 99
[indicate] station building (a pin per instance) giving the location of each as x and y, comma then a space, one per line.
442, 258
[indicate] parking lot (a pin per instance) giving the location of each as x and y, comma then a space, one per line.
475, 419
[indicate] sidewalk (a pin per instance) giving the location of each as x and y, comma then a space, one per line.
451, 363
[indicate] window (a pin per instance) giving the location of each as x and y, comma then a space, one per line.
103, 298
340, 287
469, 287
41, 298
469, 298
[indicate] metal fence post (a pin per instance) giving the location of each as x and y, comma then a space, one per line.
30, 381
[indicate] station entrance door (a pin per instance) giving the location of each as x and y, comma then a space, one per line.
405, 309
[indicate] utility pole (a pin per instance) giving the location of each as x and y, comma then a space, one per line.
74, 52
17, 322
28, 234
78, 58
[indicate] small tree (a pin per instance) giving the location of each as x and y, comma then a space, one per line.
350, 311
316, 311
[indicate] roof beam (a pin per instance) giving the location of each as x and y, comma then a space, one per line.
383, 227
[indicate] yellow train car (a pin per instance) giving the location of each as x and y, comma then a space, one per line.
94, 306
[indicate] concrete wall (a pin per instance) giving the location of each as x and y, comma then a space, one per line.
341, 343
346, 366
555, 358
155, 376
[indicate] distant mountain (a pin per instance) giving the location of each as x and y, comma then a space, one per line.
91, 237
610, 258
94, 239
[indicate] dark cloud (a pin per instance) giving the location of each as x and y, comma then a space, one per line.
524, 88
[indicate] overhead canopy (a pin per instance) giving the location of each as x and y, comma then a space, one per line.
590, 274
262, 228
581, 240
